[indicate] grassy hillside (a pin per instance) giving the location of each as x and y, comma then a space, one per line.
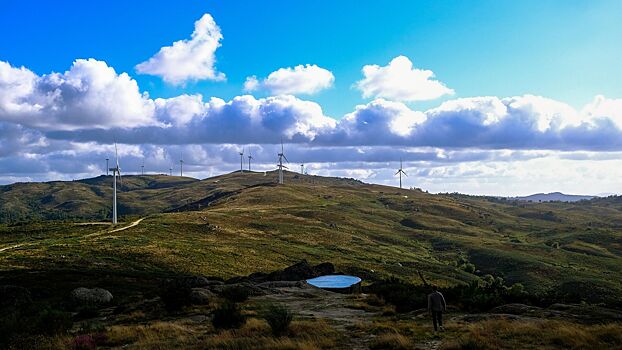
236, 224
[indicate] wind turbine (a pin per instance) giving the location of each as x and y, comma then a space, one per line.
242, 160
281, 166
400, 172
302, 168
116, 170
107, 166
250, 156
142, 168
181, 164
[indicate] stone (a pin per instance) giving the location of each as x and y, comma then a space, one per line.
92, 296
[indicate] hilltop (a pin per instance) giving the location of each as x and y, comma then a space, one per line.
554, 196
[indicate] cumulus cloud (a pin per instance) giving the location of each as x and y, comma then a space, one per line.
308, 79
399, 81
89, 95
188, 60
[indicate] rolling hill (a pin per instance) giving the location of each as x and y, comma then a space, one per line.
553, 197
240, 223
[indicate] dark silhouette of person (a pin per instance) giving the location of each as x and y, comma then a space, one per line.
436, 306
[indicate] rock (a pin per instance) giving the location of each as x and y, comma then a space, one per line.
200, 296
14, 296
93, 296
516, 309
302, 271
249, 288
471, 318
284, 284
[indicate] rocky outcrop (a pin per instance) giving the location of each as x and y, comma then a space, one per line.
93, 296
298, 272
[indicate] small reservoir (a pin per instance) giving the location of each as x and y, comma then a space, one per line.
337, 283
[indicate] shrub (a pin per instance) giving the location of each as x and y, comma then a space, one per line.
235, 294
175, 296
278, 317
51, 321
83, 342
228, 316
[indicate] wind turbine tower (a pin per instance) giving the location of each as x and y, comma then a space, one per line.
400, 172
242, 160
250, 157
107, 166
281, 166
302, 168
142, 168
181, 164
115, 171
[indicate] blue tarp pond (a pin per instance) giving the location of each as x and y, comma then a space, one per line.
337, 283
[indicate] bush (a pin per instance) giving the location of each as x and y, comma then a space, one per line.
175, 296
228, 316
278, 317
22, 324
236, 294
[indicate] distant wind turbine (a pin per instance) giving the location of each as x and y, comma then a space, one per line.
242, 160
302, 168
115, 171
281, 166
181, 164
142, 168
250, 157
400, 172
107, 166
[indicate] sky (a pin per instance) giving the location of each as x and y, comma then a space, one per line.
479, 97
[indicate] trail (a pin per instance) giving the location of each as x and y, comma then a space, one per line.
132, 224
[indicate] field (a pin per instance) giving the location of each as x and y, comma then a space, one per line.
241, 223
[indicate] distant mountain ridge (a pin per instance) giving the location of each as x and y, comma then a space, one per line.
554, 196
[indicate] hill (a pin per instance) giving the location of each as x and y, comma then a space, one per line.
242, 223
554, 197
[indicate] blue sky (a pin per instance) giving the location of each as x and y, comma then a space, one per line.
565, 51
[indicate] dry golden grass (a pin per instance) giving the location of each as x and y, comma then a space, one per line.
255, 334
393, 341
503, 334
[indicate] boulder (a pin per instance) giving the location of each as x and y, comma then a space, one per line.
14, 296
200, 296
302, 271
92, 296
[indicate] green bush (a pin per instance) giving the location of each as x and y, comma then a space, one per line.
228, 316
175, 296
278, 317
18, 325
236, 294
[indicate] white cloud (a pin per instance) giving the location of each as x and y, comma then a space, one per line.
188, 60
399, 81
308, 79
89, 95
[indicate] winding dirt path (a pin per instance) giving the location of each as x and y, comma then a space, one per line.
132, 224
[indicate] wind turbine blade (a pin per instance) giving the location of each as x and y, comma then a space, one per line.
403, 172
116, 154
397, 173
285, 158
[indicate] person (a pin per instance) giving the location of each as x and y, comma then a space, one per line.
436, 306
